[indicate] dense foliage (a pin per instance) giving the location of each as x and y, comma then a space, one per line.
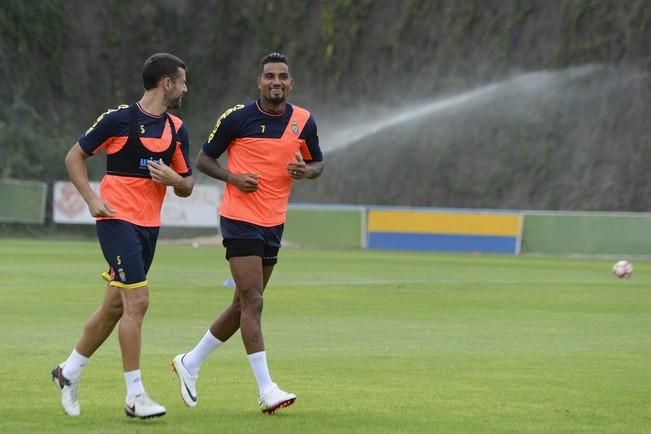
578, 143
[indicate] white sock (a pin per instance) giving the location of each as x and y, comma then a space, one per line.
258, 362
73, 366
134, 383
193, 360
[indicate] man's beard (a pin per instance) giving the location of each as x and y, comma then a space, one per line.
276, 100
175, 103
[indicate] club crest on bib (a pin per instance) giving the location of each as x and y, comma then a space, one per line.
295, 128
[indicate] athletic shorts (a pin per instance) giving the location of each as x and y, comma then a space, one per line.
128, 249
246, 239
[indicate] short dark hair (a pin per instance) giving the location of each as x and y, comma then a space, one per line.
273, 58
158, 66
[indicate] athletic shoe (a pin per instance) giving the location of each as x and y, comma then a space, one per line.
68, 390
274, 399
188, 381
143, 407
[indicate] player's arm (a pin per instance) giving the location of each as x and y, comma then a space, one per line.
186, 186
164, 174
314, 169
179, 174
75, 162
300, 169
246, 182
226, 129
96, 138
309, 160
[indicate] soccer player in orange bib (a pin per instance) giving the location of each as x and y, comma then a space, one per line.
269, 144
147, 150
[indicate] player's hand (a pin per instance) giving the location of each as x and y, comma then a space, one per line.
246, 182
162, 173
100, 208
297, 169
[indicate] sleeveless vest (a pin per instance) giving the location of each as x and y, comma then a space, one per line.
268, 157
132, 159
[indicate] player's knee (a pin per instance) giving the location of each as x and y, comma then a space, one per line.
114, 311
251, 301
137, 305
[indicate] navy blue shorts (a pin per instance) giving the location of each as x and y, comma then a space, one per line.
246, 239
128, 249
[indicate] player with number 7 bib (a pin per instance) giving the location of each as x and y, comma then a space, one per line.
269, 144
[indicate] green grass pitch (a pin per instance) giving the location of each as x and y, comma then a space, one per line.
371, 342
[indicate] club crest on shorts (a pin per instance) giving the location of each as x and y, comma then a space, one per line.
122, 274
295, 128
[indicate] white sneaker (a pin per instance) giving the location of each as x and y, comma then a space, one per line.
274, 399
143, 407
188, 381
68, 390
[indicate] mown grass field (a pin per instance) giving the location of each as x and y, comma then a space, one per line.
371, 342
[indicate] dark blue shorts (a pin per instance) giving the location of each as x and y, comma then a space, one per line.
246, 239
128, 249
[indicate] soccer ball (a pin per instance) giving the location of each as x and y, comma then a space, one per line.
623, 269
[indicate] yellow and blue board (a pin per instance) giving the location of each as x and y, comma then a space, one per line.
444, 231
